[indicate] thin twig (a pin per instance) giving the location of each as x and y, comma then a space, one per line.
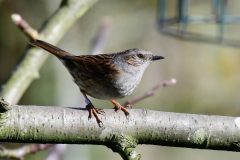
52, 30
24, 26
151, 91
19, 153
101, 37
57, 151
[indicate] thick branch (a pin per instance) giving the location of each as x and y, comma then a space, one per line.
52, 31
66, 125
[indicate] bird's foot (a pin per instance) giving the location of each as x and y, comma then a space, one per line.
118, 106
95, 111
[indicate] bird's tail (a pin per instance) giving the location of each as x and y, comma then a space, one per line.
50, 48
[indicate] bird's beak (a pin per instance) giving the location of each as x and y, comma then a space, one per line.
155, 57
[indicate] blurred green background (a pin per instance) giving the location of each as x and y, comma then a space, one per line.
208, 75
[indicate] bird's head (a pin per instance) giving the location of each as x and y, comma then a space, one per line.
136, 58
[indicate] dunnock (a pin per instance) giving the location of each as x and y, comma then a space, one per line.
104, 76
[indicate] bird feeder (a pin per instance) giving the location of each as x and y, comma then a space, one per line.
215, 21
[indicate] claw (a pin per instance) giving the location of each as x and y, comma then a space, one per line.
99, 111
100, 124
95, 111
118, 106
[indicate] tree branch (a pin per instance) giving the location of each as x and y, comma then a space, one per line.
100, 38
52, 31
23, 25
38, 124
57, 151
19, 153
151, 91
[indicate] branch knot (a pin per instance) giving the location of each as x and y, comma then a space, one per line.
125, 146
4, 106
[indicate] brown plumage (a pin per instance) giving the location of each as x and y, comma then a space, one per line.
104, 76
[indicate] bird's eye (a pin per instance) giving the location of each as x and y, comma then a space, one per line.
140, 55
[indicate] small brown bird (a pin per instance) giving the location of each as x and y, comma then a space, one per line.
104, 76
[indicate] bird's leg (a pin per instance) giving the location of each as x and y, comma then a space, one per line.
118, 106
93, 110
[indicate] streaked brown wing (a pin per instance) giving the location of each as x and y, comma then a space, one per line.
93, 66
